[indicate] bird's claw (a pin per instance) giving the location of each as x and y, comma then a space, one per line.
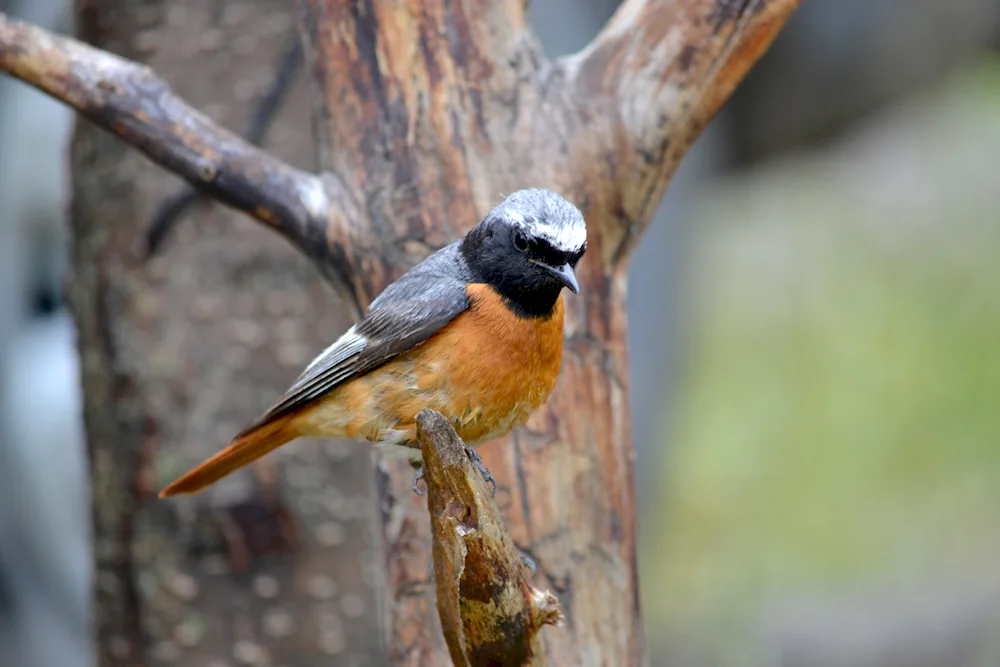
476, 461
417, 476
527, 561
483, 470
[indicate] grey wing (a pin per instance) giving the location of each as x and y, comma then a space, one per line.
407, 313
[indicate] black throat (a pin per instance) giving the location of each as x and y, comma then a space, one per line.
527, 296
538, 303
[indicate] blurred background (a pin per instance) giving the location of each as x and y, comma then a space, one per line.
815, 319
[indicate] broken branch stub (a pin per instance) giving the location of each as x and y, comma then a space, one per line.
489, 612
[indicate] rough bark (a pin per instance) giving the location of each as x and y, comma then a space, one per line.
272, 566
490, 613
426, 112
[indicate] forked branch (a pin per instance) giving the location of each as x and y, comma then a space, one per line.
665, 67
657, 73
491, 615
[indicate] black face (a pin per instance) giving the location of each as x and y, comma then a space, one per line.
526, 269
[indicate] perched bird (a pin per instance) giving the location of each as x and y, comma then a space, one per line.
475, 332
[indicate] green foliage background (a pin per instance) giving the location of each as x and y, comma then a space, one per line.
836, 424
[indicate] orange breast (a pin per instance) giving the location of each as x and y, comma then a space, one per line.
497, 367
487, 371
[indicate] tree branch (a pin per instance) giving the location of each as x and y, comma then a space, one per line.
130, 101
666, 67
490, 614
170, 210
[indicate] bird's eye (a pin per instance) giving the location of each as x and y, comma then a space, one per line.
520, 241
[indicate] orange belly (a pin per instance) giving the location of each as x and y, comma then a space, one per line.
487, 371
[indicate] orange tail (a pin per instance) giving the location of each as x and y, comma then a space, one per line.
243, 450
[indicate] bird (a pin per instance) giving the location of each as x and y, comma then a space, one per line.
474, 331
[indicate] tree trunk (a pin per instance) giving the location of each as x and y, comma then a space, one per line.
426, 113
179, 353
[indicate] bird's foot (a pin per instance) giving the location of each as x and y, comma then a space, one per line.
417, 476
476, 461
483, 470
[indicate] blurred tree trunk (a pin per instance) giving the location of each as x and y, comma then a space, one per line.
180, 352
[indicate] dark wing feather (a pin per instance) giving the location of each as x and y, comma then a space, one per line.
407, 313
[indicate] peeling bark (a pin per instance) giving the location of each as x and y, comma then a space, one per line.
490, 613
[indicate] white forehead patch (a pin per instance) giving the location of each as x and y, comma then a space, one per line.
547, 216
568, 238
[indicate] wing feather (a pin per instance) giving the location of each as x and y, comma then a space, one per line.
406, 314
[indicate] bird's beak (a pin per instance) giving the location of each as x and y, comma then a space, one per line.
564, 273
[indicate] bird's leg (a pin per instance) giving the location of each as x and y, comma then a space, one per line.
417, 476
483, 470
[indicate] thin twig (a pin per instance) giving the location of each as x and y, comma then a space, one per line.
171, 210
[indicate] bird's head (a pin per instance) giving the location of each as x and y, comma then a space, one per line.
527, 249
